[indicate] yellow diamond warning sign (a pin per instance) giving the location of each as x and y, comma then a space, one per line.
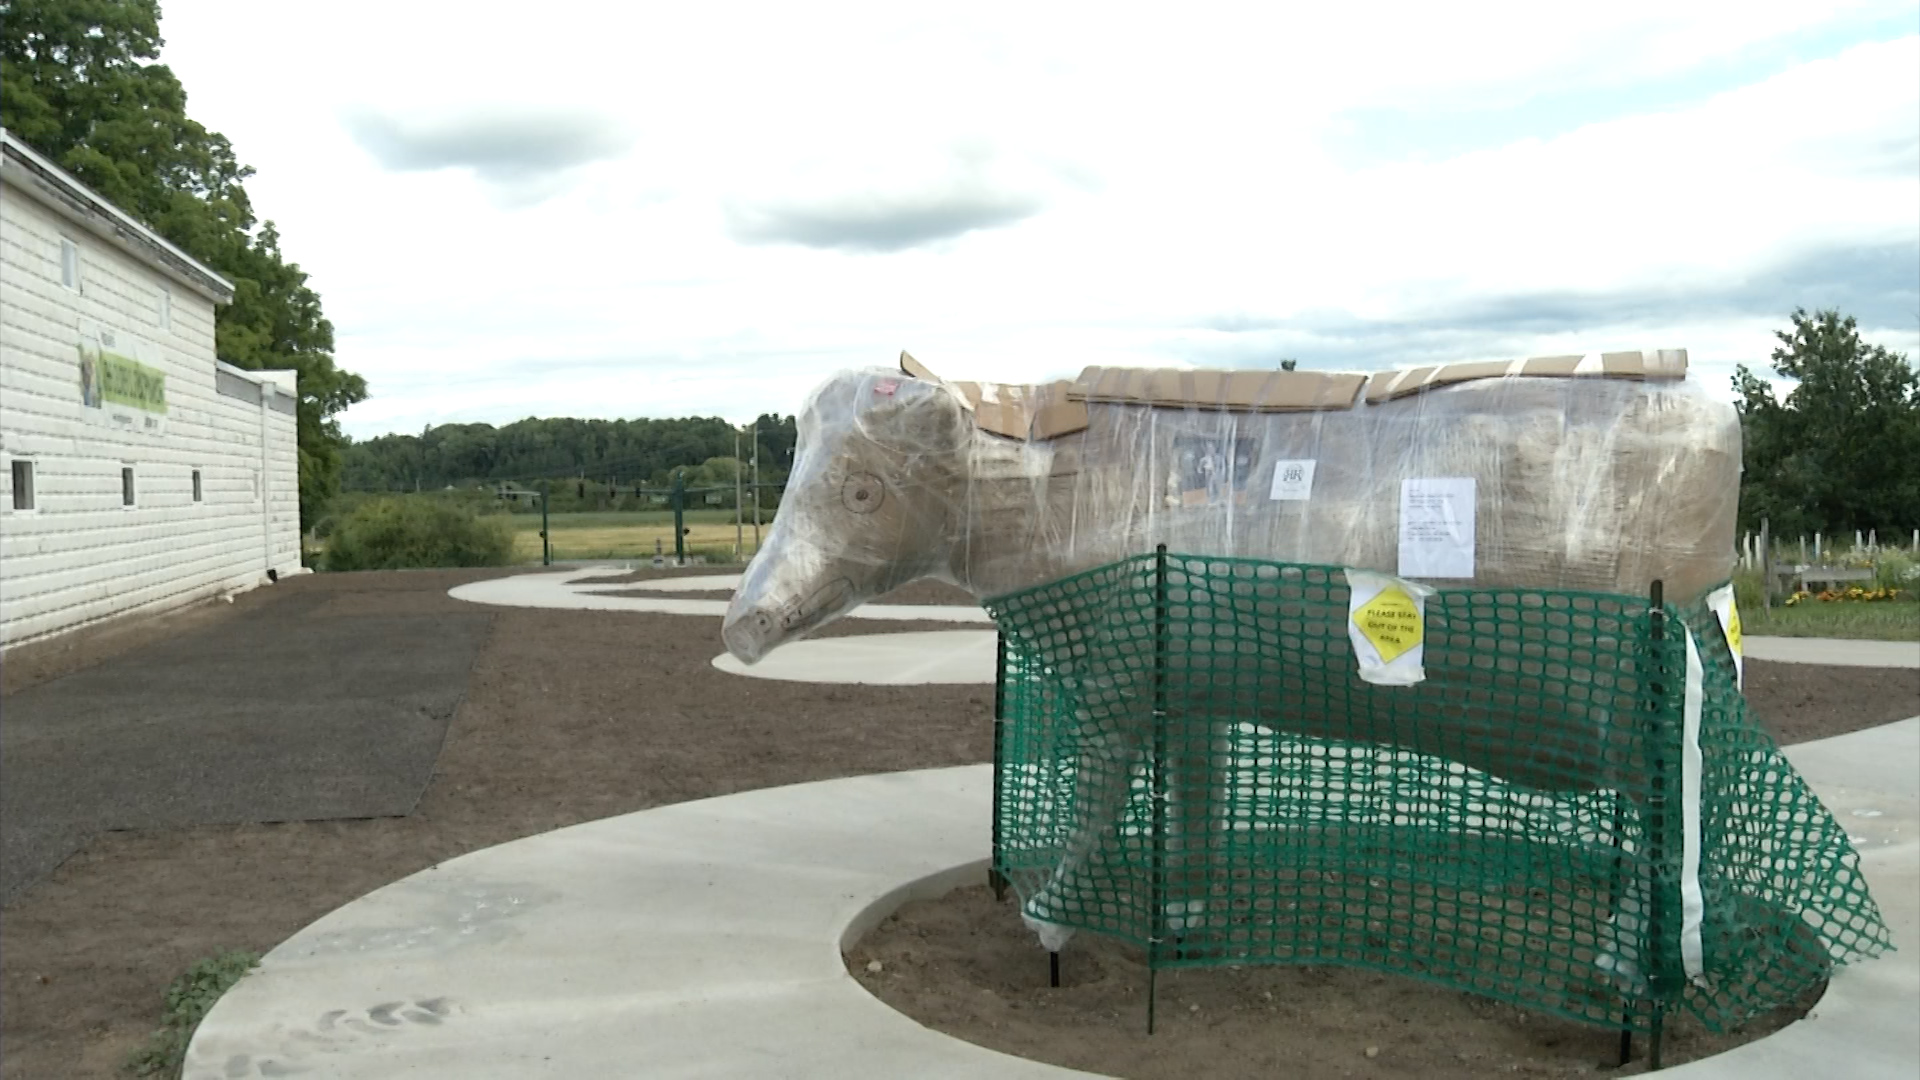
1391, 622
1733, 627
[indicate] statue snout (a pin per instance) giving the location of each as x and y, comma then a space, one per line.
750, 634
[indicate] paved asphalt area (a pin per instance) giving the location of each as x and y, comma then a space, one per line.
284, 713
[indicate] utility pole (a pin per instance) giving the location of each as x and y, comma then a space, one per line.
756, 487
737, 509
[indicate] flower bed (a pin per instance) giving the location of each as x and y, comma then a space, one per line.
1851, 595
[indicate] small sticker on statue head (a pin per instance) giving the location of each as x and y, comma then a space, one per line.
885, 388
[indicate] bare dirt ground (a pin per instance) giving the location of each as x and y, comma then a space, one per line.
966, 965
569, 716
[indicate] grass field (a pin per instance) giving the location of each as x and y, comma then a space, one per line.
1884, 621
631, 535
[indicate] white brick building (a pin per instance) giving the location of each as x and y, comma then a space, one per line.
137, 472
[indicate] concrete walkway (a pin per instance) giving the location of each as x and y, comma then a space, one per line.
1848, 653
576, 590
703, 939
909, 659
701, 583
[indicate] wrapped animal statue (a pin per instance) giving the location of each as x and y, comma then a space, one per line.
1599, 473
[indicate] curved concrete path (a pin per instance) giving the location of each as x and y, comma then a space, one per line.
909, 659
700, 583
1848, 653
574, 590
703, 939
696, 940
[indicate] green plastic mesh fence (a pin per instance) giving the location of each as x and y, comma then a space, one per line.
1187, 760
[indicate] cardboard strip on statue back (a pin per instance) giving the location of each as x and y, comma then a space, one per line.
1037, 413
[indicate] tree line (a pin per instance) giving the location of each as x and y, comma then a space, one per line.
607, 453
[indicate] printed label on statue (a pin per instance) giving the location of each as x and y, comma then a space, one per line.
1387, 622
1292, 481
1436, 527
1210, 470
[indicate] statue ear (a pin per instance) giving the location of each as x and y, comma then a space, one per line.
948, 426
912, 415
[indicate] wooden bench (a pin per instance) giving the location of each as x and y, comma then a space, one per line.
1795, 578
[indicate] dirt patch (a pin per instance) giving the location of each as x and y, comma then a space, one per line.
1803, 702
964, 964
571, 716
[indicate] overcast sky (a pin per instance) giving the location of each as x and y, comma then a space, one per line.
651, 209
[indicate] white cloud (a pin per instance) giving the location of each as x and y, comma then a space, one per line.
650, 210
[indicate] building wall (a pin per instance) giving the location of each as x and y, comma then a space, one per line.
80, 556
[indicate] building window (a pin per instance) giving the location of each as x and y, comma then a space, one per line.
196, 485
69, 263
22, 484
126, 485
166, 309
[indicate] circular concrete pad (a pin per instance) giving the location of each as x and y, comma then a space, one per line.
914, 659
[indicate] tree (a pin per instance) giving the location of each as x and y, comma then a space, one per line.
1842, 451
624, 452
74, 84
778, 437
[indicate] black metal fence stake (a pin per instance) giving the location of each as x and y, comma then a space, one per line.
1660, 725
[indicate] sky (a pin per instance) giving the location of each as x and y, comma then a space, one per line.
640, 209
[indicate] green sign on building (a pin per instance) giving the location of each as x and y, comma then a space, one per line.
115, 387
125, 381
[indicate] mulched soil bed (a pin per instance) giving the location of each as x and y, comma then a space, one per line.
966, 965
570, 716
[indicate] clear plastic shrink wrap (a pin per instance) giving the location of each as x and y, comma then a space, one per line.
1599, 473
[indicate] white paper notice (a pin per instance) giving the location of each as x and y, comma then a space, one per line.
1292, 480
1436, 527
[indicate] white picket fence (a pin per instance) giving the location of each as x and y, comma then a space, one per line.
1818, 550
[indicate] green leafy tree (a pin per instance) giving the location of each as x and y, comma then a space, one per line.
77, 83
1842, 451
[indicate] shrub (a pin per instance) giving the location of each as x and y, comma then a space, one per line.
407, 532
1895, 571
1749, 589
188, 999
